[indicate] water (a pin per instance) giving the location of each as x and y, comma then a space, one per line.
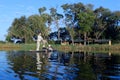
21, 65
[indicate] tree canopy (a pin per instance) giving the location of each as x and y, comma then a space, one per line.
79, 20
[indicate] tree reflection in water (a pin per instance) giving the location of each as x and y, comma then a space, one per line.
23, 64
61, 66
64, 66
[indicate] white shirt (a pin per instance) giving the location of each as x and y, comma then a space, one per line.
39, 38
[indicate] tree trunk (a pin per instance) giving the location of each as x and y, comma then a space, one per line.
58, 34
85, 38
72, 41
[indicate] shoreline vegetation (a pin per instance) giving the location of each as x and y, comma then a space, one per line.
115, 48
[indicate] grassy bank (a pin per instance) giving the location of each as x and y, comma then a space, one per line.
90, 48
22, 47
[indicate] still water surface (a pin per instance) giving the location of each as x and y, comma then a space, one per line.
28, 65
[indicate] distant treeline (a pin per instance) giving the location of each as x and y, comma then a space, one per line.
77, 22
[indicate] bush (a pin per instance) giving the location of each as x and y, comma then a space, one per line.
51, 42
2, 42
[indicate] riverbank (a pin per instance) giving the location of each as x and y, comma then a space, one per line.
22, 47
65, 48
90, 48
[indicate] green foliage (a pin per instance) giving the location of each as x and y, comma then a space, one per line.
72, 33
2, 42
86, 21
26, 28
81, 20
37, 25
41, 10
56, 18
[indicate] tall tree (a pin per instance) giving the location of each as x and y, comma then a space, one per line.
86, 21
19, 28
26, 28
38, 25
101, 19
72, 33
47, 19
74, 13
56, 17
113, 28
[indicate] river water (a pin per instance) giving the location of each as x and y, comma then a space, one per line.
30, 65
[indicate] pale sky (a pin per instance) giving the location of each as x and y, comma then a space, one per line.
11, 9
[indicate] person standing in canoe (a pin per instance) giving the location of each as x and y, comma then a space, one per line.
39, 40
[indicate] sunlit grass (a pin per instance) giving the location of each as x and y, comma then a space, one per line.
9, 46
65, 48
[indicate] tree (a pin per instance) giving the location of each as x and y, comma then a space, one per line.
72, 33
27, 28
38, 25
56, 17
113, 28
19, 29
86, 21
76, 16
47, 18
81, 21
64, 34
41, 10
101, 19
71, 11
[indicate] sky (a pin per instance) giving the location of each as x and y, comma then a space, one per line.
11, 9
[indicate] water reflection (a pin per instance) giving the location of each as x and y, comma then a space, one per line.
112, 70
20, 65
55, 66
23, 64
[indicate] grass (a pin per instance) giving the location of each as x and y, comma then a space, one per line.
65, 48
9, 46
